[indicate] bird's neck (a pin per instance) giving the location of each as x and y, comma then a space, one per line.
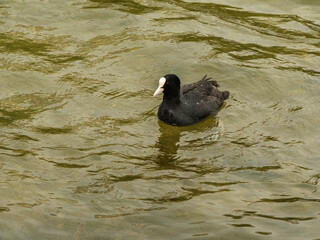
172, 98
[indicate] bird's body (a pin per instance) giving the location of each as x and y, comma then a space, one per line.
190, 103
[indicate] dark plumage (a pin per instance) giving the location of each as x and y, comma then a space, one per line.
190, 103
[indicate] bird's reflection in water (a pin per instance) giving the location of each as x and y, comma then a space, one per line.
169, 140
168, 144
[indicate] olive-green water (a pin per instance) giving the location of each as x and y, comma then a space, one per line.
83, 155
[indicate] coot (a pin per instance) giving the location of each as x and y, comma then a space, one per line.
190, 103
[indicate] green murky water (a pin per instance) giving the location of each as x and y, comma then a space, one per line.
83, 155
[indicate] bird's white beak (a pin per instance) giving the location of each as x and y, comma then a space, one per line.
160, 88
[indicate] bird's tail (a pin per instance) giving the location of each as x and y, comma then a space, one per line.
225, 94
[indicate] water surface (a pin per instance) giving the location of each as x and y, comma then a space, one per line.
83, 155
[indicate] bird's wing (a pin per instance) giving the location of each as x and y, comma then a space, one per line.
203, 85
